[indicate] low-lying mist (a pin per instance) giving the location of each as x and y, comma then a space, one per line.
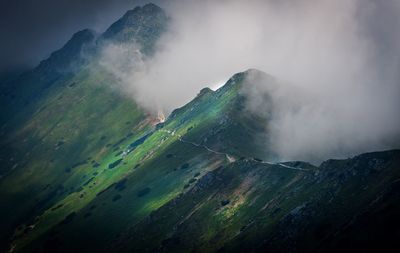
338, 63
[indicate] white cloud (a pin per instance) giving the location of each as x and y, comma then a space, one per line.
346, 63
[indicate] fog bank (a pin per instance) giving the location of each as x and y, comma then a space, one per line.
343, 56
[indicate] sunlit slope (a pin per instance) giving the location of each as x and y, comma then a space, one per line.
178, 186
76, 127
140, 173
190, 183
221, 120
62, 120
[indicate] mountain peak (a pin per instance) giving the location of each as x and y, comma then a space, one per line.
61, 59
142, 25
151, 7
251, 73
147, 9
251, 76
78, 39
82, 34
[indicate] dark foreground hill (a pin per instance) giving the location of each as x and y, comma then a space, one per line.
86, 169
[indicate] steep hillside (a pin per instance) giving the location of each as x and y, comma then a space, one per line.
62, 118
192, 182
248, 205
151, 164
86, 169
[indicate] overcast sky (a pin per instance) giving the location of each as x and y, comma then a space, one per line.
31, 29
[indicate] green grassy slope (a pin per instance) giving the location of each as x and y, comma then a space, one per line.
85, 169
221, 121
179, 185
62, 122
162, 162
74, 131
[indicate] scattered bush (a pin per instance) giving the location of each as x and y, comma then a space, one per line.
68, 219
143, 192
75, 166
119, 142
117, 197
115, 164
139, 141
60, 143
88, 182
121, 185
57, 207
225, 202
184, 166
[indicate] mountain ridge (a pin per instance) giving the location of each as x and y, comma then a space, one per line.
86, 169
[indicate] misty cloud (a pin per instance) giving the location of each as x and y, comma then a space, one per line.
338, 69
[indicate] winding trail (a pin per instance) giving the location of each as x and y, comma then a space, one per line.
229, 157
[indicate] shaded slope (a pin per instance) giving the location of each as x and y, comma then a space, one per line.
19, 95
250, 206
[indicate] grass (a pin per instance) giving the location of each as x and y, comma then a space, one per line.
89, 160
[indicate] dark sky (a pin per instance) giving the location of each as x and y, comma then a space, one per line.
31, 29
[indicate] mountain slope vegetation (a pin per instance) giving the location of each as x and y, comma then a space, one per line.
86, 169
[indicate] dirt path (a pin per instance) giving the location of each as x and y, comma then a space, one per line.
229, 157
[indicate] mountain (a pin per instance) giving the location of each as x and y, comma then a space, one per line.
70, 55
142, 25
20, 92
248, 205
86, 169
53, 120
